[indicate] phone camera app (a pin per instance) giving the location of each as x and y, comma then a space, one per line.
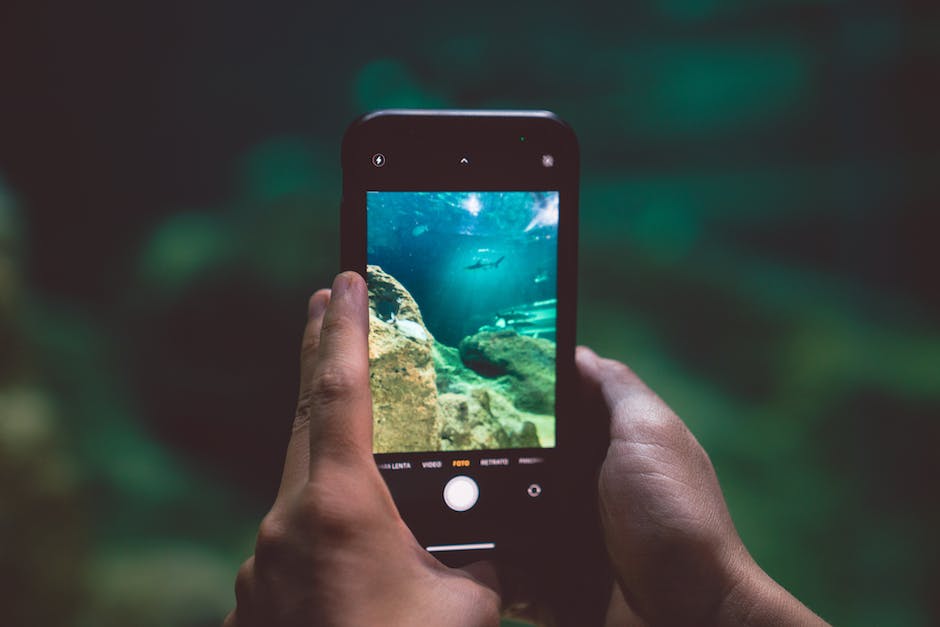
378, 160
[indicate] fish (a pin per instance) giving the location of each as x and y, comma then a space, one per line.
479, 263
541, 277
533, 319
421, 229
409, 328
412, 329
512, 316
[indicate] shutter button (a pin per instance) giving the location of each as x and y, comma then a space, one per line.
461, 493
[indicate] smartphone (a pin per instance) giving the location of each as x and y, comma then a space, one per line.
464, 224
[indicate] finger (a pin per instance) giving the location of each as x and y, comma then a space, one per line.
310, 344
592, 398
604, 373
627, 400
341, 403
297, 460
586, 362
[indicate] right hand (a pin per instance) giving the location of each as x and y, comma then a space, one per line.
677, 557
333, 550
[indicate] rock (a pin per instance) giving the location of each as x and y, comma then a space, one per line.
426, 398
389, 297
483, 419
524, 365
402, 374
452, 375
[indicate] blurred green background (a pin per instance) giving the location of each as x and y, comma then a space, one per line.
759, 215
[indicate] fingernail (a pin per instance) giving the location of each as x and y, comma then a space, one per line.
341, 285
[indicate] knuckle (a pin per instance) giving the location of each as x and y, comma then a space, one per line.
331, 511
302, 414
333, 382
640, 416
619, 369
272, 539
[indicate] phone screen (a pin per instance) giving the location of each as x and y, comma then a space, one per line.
463, 298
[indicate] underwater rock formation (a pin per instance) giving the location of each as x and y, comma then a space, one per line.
483, 419
426, 398
476, 412
402, 375
524, 365
452, 374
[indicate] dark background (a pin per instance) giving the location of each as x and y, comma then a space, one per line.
759, 215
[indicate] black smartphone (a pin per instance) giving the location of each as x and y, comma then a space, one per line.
464, 224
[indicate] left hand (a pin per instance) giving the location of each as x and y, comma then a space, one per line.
334, 550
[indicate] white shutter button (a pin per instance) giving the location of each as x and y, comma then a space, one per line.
461, 493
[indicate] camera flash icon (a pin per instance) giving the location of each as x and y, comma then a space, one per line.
548, 161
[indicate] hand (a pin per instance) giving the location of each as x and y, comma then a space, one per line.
677, 557
333, 550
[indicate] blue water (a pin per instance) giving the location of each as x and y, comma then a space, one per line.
468, 257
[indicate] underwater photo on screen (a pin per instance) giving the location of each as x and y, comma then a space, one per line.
463, 299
